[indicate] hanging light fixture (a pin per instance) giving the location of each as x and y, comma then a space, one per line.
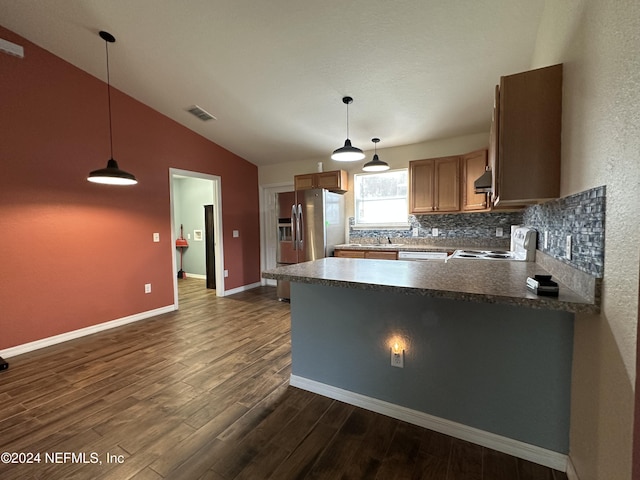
112, 175
375, 165
347, 153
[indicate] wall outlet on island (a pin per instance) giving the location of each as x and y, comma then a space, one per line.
397, 359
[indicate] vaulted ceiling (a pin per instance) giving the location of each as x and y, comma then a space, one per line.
274, 72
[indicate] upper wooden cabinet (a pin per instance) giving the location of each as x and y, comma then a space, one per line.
525, 137
473, 165
334, 181
434, 185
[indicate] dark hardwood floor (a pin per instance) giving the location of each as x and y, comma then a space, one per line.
202, 393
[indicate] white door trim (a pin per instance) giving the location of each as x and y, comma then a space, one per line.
268, 233
217, 228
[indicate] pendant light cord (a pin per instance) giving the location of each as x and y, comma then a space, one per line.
347, 120
106, 46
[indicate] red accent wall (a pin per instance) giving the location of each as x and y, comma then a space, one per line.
76, 254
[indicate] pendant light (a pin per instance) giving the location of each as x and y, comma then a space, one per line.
347, 153
111, 175
375, 165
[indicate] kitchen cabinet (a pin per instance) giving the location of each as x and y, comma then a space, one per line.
434, 185
334, 181
473, 165
525, 137
372, 254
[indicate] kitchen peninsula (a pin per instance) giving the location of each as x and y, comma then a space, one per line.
484, 359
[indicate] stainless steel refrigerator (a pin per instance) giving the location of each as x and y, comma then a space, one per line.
310, 224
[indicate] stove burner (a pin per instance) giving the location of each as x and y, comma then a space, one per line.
495, 255
500, 252
473, 252
465, 255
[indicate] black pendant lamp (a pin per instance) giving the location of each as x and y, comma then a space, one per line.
348, 153
112, 175
375, 165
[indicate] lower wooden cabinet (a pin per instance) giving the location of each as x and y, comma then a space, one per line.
372, 254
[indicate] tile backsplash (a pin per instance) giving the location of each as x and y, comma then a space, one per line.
582, 216
460, 229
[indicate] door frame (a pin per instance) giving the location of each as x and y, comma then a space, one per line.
218, 247
268, 236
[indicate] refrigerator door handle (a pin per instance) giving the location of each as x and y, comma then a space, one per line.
294, 227
300, 225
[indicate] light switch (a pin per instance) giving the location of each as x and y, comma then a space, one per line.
156, 237
236, 234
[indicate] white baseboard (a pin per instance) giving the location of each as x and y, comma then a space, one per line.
242, 288
532, 453
195, 275
63, 337
571, 470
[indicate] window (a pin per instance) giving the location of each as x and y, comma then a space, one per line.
381, 199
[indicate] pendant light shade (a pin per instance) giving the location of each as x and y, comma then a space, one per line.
111, 175
375, 165
348, 153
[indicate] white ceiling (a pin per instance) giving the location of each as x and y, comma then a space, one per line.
274, 72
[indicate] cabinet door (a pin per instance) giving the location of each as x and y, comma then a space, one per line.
421, 183
349, 253
447, 184
529, 136
473, 165
335, 181
381, 255
303, 182
494, 141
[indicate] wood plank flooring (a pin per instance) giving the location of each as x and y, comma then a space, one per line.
203, 393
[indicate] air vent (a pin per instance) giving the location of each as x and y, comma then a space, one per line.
200, 113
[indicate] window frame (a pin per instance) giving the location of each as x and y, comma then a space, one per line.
383, 225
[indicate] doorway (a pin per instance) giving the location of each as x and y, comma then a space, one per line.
210, 258
211, 245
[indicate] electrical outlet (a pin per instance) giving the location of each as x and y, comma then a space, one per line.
226, 273
397, 359
236, 234
156, 237
415, 232
434, 232
147, 288
568, 248
499, 231
546, 239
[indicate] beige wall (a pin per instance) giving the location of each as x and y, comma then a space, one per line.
396, 157
599, 43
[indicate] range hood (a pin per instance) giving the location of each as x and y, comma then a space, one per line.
483, 183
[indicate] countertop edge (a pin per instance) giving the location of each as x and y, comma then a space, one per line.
541, 302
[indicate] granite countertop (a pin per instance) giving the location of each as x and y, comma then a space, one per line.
458, 279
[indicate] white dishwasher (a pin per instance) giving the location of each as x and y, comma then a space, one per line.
420, 256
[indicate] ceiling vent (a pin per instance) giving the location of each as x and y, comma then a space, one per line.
200, 113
